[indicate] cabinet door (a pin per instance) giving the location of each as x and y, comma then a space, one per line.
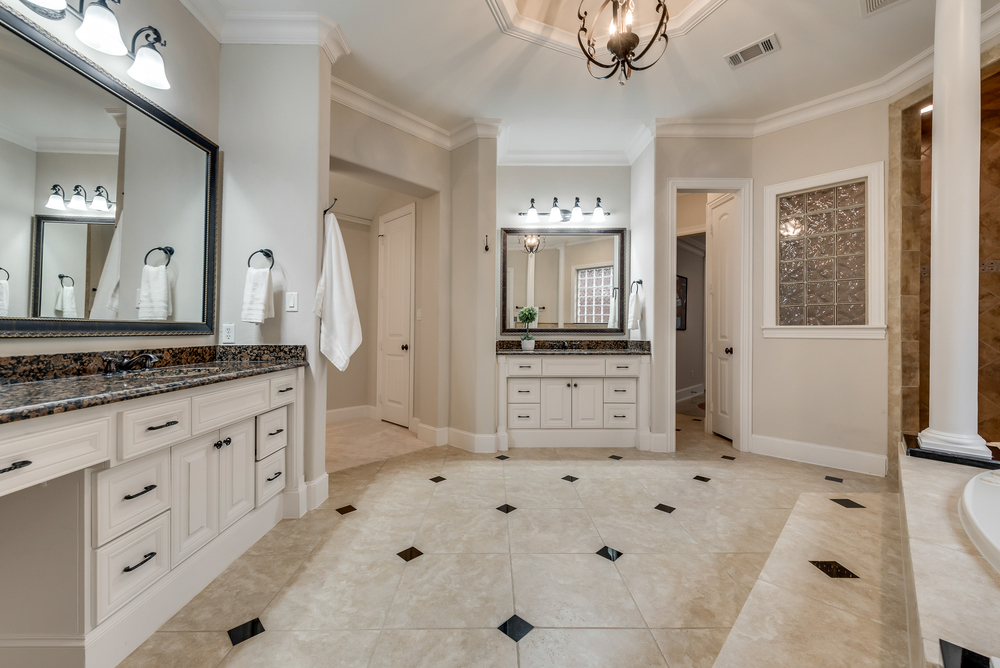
194, 479
236, 472
588, 403
557, 403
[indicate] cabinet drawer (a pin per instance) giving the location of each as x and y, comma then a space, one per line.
619, 391
130, 494
218, 409
44, 455
524, 366
622, 366
127, 566
525, 416
272, 432
619, 416
148, 429
283, 390
568, 365
270, 477
523, 391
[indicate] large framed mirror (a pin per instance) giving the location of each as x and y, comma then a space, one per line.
574, 277
107, 202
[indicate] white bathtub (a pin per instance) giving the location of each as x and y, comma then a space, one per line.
980, 513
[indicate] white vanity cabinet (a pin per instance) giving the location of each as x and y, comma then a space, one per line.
573, 400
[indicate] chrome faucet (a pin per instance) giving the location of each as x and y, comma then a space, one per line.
113, 365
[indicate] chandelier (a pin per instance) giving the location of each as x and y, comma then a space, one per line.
622, 41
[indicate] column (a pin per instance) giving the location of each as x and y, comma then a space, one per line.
954, 363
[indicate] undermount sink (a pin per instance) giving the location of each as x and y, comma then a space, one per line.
178, 372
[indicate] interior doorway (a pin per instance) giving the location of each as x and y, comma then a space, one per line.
395, 316
690, 325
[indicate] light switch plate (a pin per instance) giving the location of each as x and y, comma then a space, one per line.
229, 333
291, 301
418, 315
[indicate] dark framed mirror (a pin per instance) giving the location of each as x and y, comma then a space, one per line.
574, 277
98, 180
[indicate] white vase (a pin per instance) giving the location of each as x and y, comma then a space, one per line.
527, 345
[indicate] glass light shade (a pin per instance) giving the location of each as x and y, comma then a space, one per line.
100, 30
56, 202
532, 213
100, 203
77, 203
148, 68
599, 214
612, 29
577, 216
555, 215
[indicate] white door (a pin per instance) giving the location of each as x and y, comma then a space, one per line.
236, 472
194, 479
723, 298
588, 403
557, 403
395, 301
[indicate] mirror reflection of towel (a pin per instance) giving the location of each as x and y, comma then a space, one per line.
4, 298
106, 298
154, 294
66, 302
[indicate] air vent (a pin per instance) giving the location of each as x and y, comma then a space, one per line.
869, 7
765, 46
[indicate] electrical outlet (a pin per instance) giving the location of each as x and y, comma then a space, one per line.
229, 333
291, 301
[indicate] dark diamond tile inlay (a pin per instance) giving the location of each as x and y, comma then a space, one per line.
506, 508
678, 429
847, 503
609, 553
515, 628
833, 569
959, 657
570, 478
832, 479
346, 509
246, 631
409, 554
697, 419
616, 457
665, 508
438, 478
730, 458
701, 478
503, 457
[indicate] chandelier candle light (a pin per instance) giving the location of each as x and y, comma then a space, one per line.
622, 40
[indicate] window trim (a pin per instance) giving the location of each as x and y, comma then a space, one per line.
874, 256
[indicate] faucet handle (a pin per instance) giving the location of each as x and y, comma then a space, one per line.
110, 365
150, 360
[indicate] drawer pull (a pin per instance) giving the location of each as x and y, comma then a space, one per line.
623, 366
129, 569
524, 391
622, 417
149, 488
275, 433
172, 423
15, 466
523, 417
287, 389
524, 366
274, 477
619, 390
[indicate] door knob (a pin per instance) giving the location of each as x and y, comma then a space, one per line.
729, 351
404, 347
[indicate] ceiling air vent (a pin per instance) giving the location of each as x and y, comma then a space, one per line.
869, 7
765, 46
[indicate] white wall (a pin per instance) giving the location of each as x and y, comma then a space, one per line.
691, 342
17, 186
70, 169
517, 185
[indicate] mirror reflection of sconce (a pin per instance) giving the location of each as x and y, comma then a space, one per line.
78, 202
557, 215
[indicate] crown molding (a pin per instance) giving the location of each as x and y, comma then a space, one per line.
642, 139
119, 115
244, 27
347, 218
564, 159
17, 137
209, 13
369, 105
476, 128
693, 127
80, 146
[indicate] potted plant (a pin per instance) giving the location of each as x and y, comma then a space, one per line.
527, 315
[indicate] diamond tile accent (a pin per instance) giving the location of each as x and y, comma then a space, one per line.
615, 457
438, 478
701, 478
665, 508
609, 553
730, 458
346, 509
570, 478
246, 631
506, 508
515, 628
678, 429
832, 479
696, 420
834, 569
409, 554
847, 503
503, 457
954, 656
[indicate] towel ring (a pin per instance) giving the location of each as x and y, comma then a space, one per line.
266, 252
636, 285
166, 249
6, 272
64, 276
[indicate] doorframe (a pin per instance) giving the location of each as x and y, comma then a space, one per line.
379, 370
743, 189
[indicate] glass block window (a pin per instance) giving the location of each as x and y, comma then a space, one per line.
821, 256
593, 294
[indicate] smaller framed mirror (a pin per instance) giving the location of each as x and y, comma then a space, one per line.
574, 277
67, 257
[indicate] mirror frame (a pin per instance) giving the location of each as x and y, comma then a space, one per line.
37, 246
57, 327
620, 232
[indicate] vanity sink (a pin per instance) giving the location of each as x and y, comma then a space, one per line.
169, 373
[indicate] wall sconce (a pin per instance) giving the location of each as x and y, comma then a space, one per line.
557, 215
532, 243
99, 30
532, 212
78, 202
57, 200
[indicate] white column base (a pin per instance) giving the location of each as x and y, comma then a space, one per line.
955, 444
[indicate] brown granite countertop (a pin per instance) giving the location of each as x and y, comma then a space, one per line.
575, 347
22, 401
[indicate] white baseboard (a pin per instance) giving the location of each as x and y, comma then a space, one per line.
317, 491
295, 501
432, 435
659, 443
688, 392
572, 438
822, 455
350, 413
481, 443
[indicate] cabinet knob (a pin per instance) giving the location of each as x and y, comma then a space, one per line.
218, 445
404, 347
575, 385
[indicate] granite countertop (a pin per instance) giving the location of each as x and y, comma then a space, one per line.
22, 401
575, 347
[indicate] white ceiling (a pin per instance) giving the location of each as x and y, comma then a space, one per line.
447, 61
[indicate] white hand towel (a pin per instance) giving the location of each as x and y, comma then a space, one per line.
106, 298
613, 320
154, 294
66, 301
635, 301
4, 298
340, 331
258, 296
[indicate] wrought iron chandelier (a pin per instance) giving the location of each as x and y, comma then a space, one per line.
622, 41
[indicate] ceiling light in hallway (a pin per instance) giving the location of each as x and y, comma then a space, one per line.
622, 43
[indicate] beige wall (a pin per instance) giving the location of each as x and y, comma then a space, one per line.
691, 342
691, 213
17, 176
70, 169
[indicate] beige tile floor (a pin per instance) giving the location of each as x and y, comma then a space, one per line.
356, 442
330, 589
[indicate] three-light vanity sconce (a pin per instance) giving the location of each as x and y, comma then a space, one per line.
99, 30
557, 215
78, 202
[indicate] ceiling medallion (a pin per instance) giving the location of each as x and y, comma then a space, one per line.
622, 41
